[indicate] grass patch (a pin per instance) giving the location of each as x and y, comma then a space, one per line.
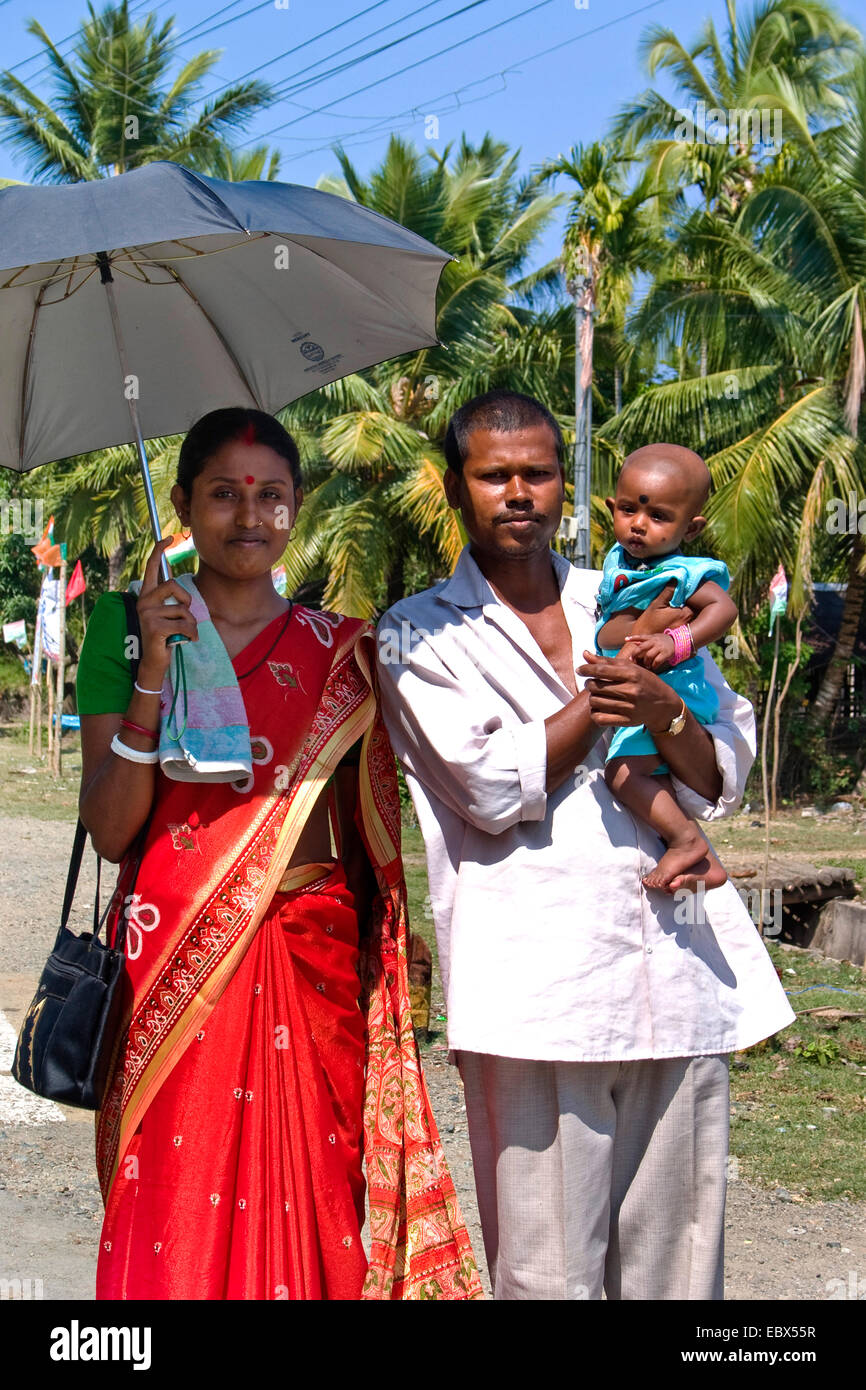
798, 1100
29, 786
415, 869
13, 678
790, 833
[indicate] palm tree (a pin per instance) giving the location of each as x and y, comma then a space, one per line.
115, 106
780, 292
611, 235
784, 61
824, 218
787, 56
98, 500
235, 166
375, 518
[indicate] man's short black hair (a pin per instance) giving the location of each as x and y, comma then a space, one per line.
502, 411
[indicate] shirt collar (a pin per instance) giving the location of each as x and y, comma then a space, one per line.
467, 587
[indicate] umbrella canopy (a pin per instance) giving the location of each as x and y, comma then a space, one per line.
220, 294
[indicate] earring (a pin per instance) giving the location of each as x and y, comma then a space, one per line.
186, 534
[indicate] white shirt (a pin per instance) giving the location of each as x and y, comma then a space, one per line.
549, 947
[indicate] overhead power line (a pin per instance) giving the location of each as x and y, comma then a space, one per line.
384, 122
70, 38
184, 37
181, 39
293, 85
323, 33
420, 62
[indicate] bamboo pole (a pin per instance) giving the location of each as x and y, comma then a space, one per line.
764, 778
49, 736
36, 679
777, 712
61, 668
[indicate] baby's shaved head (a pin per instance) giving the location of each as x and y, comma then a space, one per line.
673, 463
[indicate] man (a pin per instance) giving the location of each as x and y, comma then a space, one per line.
591, 1026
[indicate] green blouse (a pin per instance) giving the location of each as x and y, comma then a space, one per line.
104, 681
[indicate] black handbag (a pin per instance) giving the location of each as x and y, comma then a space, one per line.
67, 1038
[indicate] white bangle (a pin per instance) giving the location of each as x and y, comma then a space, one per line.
141, 690
132, 755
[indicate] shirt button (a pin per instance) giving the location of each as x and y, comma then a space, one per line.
649, 950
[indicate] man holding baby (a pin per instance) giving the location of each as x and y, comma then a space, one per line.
591, 1013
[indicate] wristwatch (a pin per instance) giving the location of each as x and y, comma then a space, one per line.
678, 723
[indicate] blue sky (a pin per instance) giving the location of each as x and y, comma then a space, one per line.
491, 82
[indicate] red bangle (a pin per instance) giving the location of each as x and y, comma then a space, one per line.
139, 729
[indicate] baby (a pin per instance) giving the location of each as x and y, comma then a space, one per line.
659, 496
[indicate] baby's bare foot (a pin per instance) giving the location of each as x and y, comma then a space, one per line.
709, 873
685, 865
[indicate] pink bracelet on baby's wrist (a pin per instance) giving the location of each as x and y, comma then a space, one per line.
683, 644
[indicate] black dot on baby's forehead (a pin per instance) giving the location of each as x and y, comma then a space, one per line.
643, 497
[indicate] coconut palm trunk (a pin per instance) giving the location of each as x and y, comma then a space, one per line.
827, 698
116, 561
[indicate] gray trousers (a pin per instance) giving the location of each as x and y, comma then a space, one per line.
600, 1175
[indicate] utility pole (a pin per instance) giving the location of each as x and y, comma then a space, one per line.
581, 290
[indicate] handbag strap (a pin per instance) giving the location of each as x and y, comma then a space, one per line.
72, 875
133, 629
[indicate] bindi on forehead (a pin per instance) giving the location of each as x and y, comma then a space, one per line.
249, 478
661, 492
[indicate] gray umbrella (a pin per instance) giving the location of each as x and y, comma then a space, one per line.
130, 306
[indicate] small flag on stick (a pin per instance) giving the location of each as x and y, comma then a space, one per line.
778, 595
15, 632
77, 583
181, 548
47, 554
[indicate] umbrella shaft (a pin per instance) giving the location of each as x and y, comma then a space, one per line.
108, 282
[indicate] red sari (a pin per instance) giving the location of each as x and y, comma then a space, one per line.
251, 1079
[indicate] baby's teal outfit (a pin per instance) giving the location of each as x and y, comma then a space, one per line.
625, 584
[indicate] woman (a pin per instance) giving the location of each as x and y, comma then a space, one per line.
229, 1144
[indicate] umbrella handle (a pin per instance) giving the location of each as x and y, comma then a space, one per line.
175, 637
